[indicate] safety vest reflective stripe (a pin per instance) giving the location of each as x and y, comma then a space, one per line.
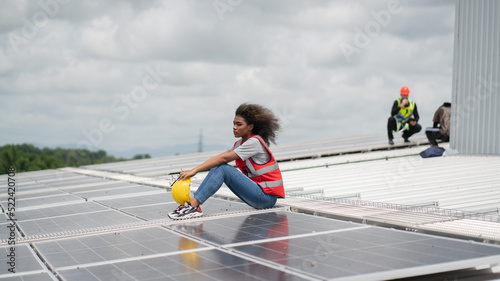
260, 172
271, 183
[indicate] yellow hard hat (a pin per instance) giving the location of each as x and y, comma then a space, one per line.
180, 191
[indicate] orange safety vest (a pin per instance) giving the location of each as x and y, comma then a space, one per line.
267, 176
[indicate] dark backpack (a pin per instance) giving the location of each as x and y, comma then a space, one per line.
432, 151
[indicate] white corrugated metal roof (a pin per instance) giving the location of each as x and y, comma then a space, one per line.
470, 183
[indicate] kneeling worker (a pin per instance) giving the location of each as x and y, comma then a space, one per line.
441, 127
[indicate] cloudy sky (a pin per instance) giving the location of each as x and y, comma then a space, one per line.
117, 75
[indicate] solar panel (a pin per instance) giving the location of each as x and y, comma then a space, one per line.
37, 276
122, 191
160, 211
266, 245
24, 260
139, 200
68, 179
202, 265
58, 211
87, 227
99, 185
78, 222
121, 245
44, 201
40, 192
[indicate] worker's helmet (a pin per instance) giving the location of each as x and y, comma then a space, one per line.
405, 91
180, 191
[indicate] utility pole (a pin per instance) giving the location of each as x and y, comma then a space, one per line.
200, 143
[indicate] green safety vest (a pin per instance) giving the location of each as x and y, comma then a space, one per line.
407, 111
404, 113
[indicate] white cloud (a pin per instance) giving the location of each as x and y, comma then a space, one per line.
99, 38
75, 69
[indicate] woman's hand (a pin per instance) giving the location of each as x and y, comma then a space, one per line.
222, 158
187, 174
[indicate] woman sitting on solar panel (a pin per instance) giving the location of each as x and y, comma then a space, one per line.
260, 184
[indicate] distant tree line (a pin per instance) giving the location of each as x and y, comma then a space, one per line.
27, 157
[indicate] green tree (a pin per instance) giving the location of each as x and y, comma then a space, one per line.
27, 157
141, 156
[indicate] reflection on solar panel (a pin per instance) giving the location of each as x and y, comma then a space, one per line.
119, 236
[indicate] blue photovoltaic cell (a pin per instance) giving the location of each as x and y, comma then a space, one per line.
5, 229
201, 265
42, 276
23, 195
259, 226
157, 206
110, 192
43, 201
75, 222
140, 200
58, 211
152, 212
24, 260
73, 181
95, 186
370, 251
113, 246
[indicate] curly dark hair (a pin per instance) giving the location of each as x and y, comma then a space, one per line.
265, 123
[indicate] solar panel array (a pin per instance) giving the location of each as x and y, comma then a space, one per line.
76, 226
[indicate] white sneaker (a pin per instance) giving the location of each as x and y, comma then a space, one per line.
176, 211
187, 212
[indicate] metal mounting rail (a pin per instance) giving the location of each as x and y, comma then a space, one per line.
490, 215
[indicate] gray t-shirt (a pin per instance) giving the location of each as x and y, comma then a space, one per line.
252, 148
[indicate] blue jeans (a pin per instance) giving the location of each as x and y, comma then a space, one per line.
247, 190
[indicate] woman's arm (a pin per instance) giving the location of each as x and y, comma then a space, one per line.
224, 157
